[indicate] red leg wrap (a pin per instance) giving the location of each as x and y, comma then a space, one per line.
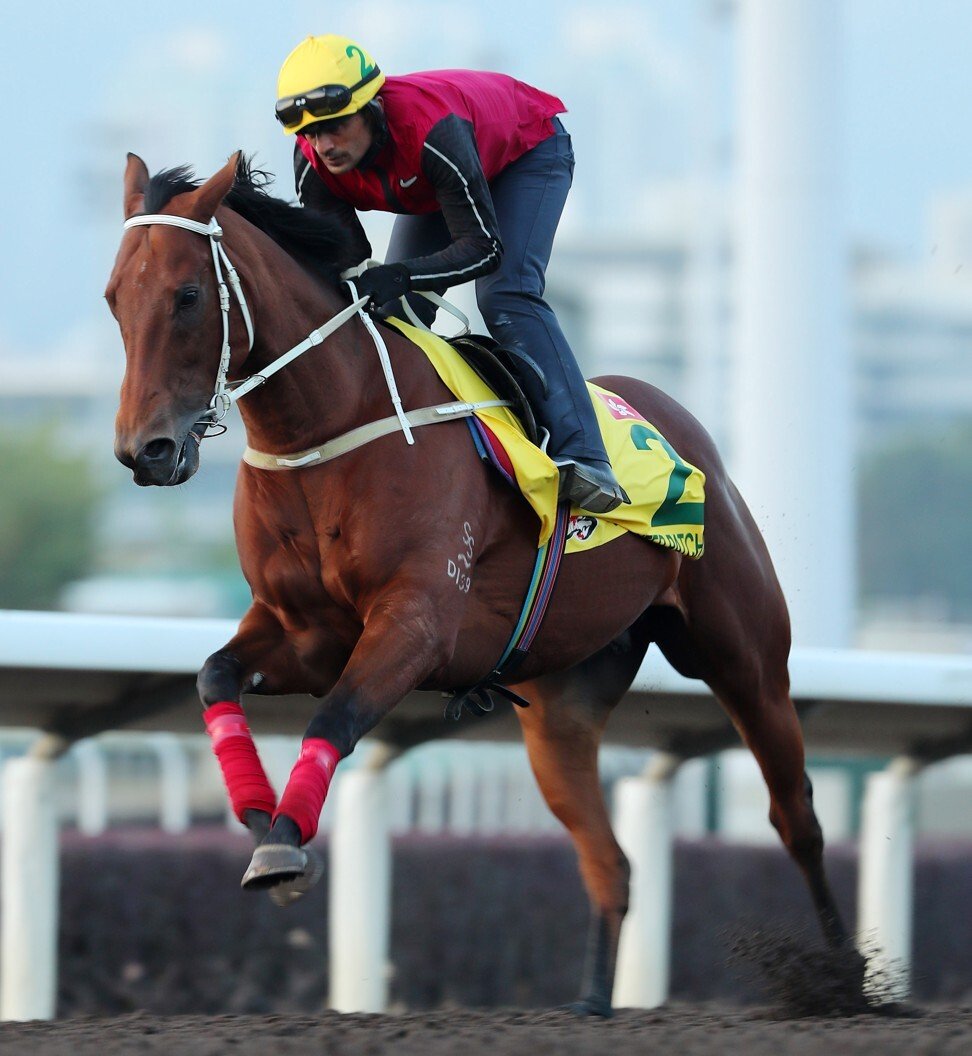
243, 772
303, 798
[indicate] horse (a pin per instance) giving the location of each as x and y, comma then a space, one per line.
347, 559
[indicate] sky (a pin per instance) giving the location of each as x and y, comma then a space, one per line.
648, 85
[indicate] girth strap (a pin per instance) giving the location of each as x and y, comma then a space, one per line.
364, 434
478, 698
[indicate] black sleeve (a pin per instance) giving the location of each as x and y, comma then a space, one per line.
450, 161
313, 193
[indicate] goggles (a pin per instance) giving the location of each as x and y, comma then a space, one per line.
322, 102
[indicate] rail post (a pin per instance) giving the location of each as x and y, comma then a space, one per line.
885, 877
359, 900
30, 883
175, 809
643, 823
92, 795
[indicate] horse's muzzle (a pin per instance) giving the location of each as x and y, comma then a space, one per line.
163, 462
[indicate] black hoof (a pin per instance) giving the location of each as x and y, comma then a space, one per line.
272, 864
589, 1006
287, 892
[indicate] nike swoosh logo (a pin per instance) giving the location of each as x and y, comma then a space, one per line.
407, 183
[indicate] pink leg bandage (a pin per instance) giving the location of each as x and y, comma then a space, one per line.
303, 798
243, 772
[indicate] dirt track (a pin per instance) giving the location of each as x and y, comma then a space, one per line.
682, 1030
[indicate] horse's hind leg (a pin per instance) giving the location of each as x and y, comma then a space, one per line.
768, 723
562, 729
758, 701
741, 653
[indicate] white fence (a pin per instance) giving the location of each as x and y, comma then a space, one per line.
456, 789
461, 789
916, 709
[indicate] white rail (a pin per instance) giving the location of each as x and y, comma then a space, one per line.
917, 707
172, 781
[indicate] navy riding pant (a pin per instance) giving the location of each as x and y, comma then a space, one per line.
529, 197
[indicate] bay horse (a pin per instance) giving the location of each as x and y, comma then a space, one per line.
347, 560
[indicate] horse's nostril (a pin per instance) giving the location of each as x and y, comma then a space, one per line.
157, 451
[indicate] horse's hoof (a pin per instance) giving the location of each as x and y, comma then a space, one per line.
589, 1007
288, 891
274, 863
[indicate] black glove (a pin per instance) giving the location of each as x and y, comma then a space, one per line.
385, 283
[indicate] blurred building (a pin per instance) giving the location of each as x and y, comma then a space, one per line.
913, 329
634, 306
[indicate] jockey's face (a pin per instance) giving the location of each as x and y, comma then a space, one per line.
341, 142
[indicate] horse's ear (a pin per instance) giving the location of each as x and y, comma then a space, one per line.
136, 180
206, 199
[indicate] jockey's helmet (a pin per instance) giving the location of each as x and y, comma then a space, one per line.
325, 77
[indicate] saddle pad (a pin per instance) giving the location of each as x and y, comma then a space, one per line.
667, 494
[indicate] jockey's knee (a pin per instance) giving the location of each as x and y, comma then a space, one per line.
501, 306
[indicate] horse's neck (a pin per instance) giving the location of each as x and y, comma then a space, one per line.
327, 390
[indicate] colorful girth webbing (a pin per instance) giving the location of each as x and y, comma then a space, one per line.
477, 699
541, 587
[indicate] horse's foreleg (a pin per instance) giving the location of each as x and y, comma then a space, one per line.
398, 648
225, 676
562, 743
251, 795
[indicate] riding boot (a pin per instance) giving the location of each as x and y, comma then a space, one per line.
586, 477
562, 404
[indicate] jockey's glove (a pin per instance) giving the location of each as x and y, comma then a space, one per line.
385, 283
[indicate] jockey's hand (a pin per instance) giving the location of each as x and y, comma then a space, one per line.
385, 283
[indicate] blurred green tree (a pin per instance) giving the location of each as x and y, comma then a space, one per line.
48, 501
915, 521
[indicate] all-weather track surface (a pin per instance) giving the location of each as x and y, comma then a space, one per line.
687, 1030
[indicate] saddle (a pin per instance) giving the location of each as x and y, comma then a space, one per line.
497, 367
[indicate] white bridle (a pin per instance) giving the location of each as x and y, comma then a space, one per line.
224, 395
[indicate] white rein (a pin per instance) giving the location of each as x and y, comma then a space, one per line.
225, 393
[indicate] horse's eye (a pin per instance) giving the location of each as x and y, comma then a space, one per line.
187, 297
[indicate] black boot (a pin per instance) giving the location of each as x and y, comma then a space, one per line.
590, 485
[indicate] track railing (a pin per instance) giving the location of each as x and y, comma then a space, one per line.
915, 710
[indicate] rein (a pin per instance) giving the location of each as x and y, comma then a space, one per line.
225, 393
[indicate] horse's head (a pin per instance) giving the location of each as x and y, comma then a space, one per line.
163, 292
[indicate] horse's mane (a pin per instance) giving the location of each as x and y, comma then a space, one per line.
318, 241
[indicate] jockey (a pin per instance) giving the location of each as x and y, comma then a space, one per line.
478, 166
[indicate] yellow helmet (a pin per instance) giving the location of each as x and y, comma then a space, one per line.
325, 77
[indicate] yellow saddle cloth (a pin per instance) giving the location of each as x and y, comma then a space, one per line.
667, 494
